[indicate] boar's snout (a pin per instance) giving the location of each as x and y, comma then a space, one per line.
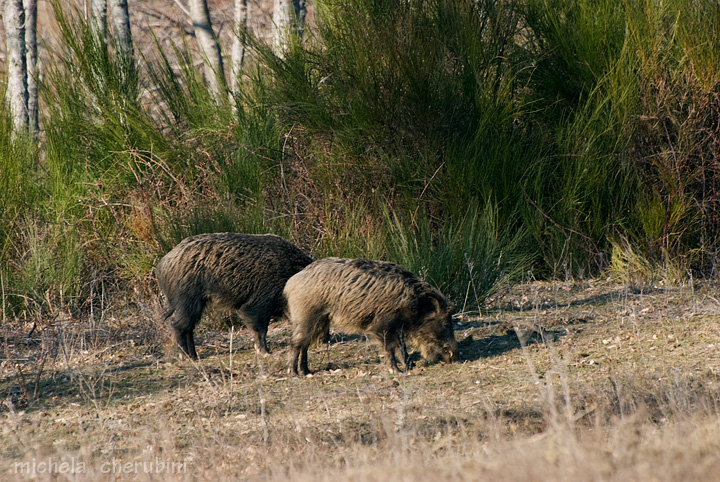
449, 352
445, 351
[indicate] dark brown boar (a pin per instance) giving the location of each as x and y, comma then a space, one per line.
377, 298
245, 273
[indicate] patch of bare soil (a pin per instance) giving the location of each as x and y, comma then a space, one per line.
587, 380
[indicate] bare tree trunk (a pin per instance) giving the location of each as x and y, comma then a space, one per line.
99, 15
31, 65
285, 23
17, 93
238, 49
121, 27
209, 45
300, 14
281, 25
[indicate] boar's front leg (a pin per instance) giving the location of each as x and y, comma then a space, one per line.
402, 350
183, 325
391, 343
189, 345
256, 318
261, 342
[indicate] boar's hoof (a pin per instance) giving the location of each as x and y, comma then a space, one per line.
300, 373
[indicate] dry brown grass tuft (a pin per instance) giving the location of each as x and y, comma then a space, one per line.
560, 381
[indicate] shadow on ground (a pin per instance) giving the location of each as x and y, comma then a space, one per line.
472, 348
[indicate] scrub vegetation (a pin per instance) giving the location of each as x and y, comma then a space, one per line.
558, 160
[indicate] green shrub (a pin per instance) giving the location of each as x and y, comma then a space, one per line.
468, 258
588, 128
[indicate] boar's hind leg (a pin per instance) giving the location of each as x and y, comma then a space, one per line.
303, 361
299, 344
260, 329
298, 360
293, 359
186, 340
309, 326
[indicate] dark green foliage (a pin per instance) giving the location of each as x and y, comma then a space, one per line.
467, 258
468, 140
412, 107
18, 193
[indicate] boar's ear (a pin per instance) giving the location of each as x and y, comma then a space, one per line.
434, 303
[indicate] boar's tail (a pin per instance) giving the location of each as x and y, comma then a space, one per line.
167, 309
167, 314
281, 307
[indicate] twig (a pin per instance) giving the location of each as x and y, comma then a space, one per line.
201, 370
39, 373
2, 284
183, 8
61, 340
32, 330
412, 222
232, 332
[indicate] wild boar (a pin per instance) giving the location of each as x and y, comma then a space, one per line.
244, 273
377, 298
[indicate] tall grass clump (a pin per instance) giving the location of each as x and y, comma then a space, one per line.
625, 108
93, 124
94, 111
401, 107
465, 139
225, 153
468, 258
394, 83
18, 196
17, 186
677, 135
139, 154
581, 190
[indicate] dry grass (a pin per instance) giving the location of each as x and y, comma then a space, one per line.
560, 381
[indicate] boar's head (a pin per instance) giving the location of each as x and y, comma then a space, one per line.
435, 335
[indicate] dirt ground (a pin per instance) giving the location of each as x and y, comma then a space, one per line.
579, 380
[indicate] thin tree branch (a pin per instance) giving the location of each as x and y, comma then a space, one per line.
183, 8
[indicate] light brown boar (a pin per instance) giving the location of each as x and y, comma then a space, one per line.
377, 298
244, 273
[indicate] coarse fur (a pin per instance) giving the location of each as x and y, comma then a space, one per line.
244, 273
377, 298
